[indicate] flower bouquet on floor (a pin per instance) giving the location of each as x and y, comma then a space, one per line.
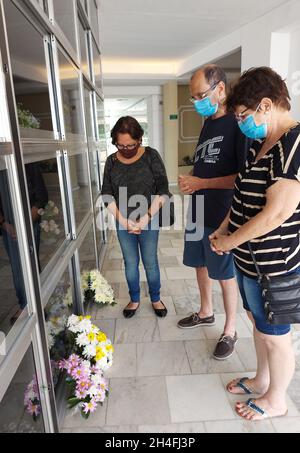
93, 354
96, 288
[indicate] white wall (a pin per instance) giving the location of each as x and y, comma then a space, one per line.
153, 94
273, 40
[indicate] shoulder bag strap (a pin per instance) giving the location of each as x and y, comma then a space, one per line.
260, 275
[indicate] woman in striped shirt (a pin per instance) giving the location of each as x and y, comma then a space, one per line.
266, 213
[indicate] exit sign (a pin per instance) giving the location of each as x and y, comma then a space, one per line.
174, 117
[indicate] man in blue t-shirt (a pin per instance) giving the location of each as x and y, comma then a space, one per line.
220, 155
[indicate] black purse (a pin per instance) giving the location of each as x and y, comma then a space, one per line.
281, 294
167, 211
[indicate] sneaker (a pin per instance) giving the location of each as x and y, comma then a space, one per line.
225, 347
194, 320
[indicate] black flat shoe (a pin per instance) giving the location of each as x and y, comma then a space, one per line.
161, 312
130, 313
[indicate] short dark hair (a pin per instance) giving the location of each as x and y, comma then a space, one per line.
127, 125
212, 73
256, 84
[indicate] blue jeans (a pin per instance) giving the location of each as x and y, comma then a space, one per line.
12, 250
132, 245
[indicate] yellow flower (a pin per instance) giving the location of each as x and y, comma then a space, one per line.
91, 336
87, 317
99, 354
109, 348
101, 337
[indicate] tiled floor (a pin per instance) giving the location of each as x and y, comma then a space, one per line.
163, 379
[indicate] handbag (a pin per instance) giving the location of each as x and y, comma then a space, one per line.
281, 294
167, 211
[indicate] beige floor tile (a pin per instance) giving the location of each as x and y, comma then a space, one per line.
236, 426
106, 429
197, 398
162, 359
214, 332
171, 251
246, 351
201, 360
137, 330
173, 428
125, 362
179, 273
173, 288
286, 424
170, 332
135, 401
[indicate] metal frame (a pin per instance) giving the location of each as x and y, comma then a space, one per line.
21, 148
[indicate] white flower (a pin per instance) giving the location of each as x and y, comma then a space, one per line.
97, 379
85, 325
90, 351
73, 320
51, 204
82, 340
93, 391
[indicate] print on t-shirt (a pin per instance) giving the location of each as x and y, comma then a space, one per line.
207, 151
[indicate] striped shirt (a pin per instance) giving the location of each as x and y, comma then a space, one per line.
277, 252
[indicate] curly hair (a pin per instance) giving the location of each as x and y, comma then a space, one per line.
256, 84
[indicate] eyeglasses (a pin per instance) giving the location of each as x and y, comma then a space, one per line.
129, 147
203, 95
242, 116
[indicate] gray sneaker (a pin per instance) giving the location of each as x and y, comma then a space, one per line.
194, 320
225, 347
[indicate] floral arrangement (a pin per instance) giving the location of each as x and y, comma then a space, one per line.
93, 354
90, 343
48, 224
89, 387
95, 287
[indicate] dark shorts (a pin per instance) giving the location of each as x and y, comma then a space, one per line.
199, 254
253, 302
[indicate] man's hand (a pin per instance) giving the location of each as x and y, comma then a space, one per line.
189, 184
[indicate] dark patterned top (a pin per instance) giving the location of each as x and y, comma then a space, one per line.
147, 176
277, 252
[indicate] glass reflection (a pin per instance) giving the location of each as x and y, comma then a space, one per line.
84, 49
103, 133
57, 311
93, 154
46, 208
20, 408
29, 73
87, 254
64, 16
97, 66
12, 289
80, 186
70, 96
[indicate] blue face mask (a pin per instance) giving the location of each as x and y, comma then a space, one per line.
205, 108
251, 130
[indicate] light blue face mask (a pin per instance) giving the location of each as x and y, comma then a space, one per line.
205, 108
251, 130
